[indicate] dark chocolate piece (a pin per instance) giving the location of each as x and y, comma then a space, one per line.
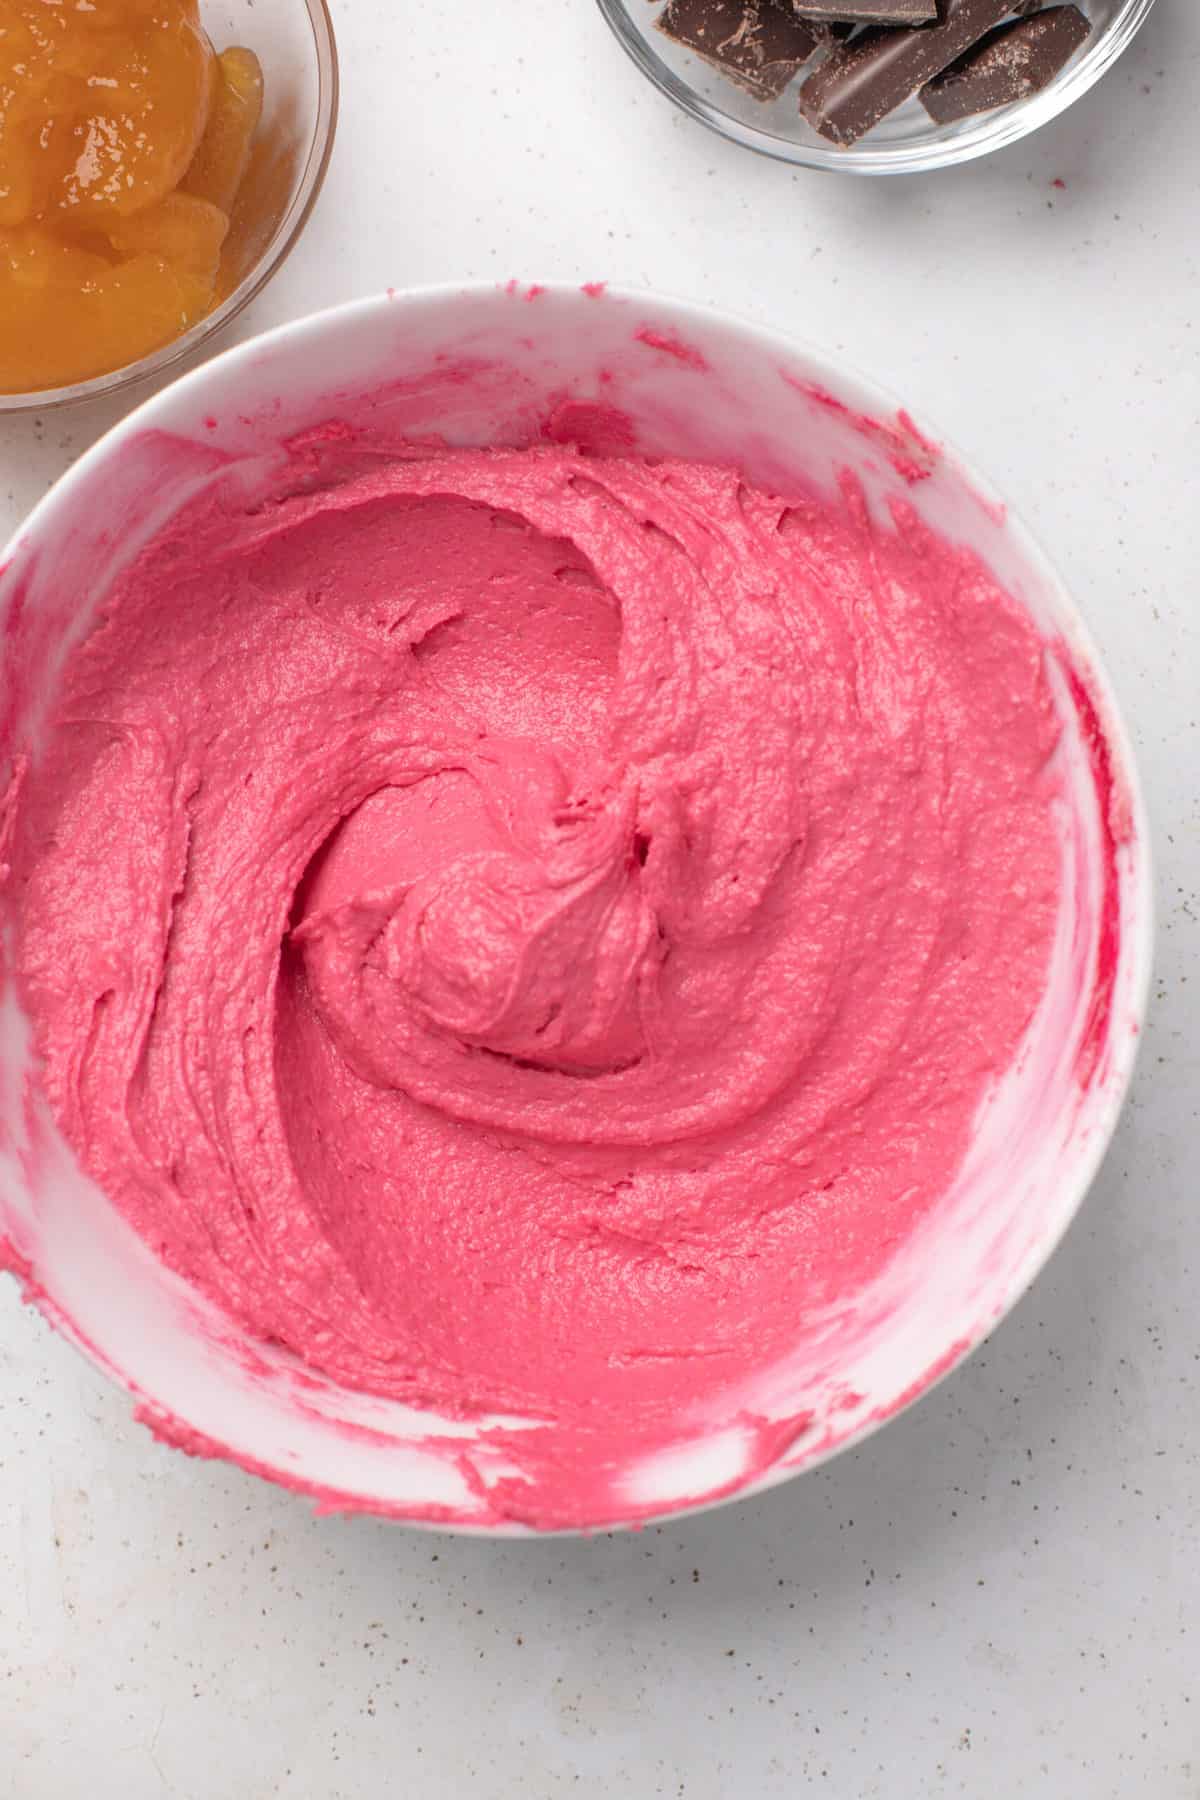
862, 81
1011, 63
867, 12
828, 30
755, 43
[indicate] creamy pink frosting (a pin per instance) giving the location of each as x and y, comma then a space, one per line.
523, 930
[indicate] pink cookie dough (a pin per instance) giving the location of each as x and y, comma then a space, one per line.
523, 930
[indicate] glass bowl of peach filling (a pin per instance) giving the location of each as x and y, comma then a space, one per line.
158, 161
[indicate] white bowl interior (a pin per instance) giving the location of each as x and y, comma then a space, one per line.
488, 366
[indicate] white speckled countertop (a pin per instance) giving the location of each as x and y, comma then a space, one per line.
998, 1596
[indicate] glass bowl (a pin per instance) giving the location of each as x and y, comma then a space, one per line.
905, 143
294, 41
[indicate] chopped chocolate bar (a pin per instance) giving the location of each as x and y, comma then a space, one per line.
1011, 63
868, 12
754, 42
961, 56
828, 30
862, 81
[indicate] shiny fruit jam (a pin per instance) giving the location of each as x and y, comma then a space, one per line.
123, 142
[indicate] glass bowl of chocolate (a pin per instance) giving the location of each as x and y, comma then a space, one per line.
874, 87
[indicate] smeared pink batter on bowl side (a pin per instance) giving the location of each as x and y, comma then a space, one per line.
522, 930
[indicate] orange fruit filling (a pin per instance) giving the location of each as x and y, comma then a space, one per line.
123, 142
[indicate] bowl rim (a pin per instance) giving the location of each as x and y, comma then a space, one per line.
986, 133
282, 242
1138, 932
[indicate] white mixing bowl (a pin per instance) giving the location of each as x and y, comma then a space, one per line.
486, 365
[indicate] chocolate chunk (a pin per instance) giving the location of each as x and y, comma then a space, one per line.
1011, 63
754, 42
862, 81
828, 30
868, 12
